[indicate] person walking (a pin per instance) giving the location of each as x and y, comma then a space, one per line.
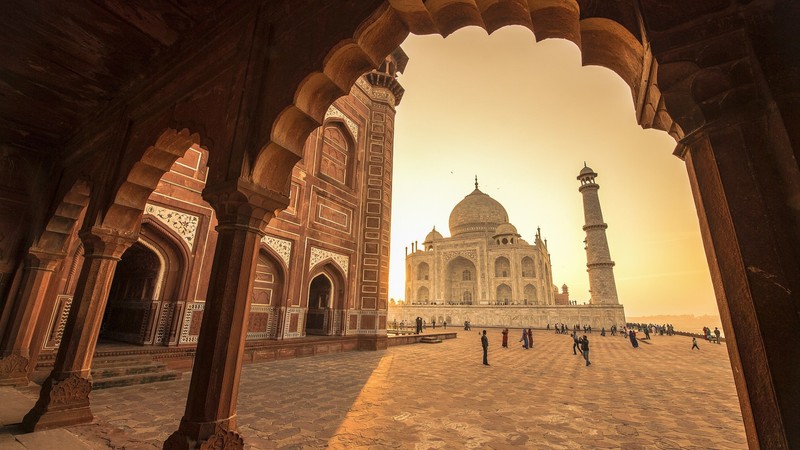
585, 349
575, 343
716, 333
694, 344
505, 338
632, 336
524, 339
485, 345
530, 337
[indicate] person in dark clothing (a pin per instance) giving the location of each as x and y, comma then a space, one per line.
485, 345
530, 337
505, 338
585, 349
575, 342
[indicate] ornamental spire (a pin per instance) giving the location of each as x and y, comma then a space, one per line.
476, 182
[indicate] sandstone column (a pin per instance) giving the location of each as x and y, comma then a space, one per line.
64, 398
373, 278
744, 203
243, 211
598, 257
15, 364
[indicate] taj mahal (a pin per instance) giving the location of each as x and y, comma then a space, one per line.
487, 274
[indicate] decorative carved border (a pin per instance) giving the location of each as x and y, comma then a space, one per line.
164, 319
334, 112
472, 255
300, 326
61, 321
318, 255
187, 322
184, 224
282, 247
266, 334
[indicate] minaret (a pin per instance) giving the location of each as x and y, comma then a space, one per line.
598, 258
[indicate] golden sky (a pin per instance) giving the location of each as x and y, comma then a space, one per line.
523, 117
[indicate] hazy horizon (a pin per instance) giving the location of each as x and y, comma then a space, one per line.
523, 117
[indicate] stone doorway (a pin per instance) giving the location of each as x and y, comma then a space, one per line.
318, 318
133, 299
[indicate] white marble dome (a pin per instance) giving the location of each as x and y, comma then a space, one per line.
506, 229
433, 235
477, 213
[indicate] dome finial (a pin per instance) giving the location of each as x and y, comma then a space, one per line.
476, 182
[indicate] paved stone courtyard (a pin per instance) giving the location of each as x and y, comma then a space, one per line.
440, 396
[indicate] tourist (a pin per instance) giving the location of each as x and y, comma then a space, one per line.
548, 326
603, 331
433, 322
694, 344
575, 343
505, 338
485, 345
716, 333
585, 349
524, 339
530, 337
632, 336
444, 324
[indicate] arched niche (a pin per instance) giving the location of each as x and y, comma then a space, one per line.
325, 300
460, 278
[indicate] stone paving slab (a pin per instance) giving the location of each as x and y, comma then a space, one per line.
659, 396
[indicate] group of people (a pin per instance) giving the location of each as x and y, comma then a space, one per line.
526, 339
707, 334
648, 328
581, 344
561, 328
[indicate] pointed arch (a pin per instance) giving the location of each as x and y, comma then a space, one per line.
326, 301
64, 220
130, 198
603, 42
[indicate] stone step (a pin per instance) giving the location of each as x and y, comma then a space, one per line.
120, 361
430, 340
119, 370
131, 380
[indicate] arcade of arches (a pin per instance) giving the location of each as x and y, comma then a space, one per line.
103, 100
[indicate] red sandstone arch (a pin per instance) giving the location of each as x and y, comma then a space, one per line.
62, 224
603, 42
176, 254
125, 211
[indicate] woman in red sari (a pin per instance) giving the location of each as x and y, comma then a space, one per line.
505, 338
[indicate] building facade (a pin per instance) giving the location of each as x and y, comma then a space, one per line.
322, 263
485, 273
100, 101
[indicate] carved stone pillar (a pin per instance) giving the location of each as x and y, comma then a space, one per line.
64, 398
15, 364
243, 211
747, 202
372, 303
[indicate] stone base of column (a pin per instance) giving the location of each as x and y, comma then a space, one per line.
380, 342
13, 370
61, 403
204, 436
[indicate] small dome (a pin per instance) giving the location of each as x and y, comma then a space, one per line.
477, 213
433, 235
505, 228
586, 172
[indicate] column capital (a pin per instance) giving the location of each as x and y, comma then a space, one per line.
39, 259
242, 203
105, 242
